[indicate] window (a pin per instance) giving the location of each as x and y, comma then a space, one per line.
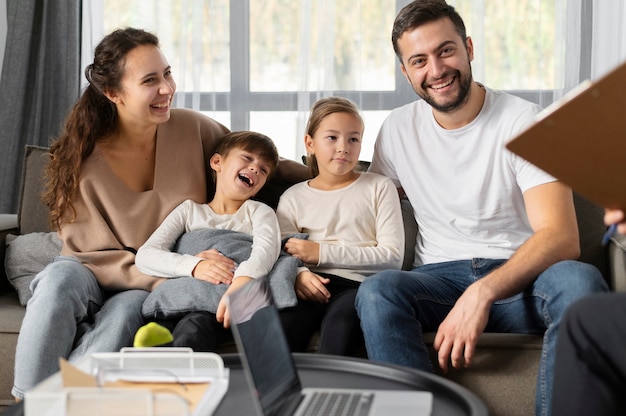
260, 65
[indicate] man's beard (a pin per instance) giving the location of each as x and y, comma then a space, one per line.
465, 84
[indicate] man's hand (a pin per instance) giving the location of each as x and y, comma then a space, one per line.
310, 286
457, 335
214, 268
305, 250
222, 314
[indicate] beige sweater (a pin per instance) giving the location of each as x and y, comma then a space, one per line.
112, 221
359, 227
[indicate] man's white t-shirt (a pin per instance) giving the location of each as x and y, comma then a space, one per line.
465, 187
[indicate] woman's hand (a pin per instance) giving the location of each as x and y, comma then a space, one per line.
310, 286
214, 268
305, 250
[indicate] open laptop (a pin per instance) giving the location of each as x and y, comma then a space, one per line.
581, 139
272, 375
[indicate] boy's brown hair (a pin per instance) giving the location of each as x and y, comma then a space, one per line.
253, 142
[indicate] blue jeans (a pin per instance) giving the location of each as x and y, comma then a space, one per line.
69, 316
396, 307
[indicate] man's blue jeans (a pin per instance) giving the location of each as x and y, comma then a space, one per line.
396, 307
70, 316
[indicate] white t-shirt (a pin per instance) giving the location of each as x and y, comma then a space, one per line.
255, 218
465, 187
359, 227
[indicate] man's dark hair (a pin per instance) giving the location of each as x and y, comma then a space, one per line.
419, 12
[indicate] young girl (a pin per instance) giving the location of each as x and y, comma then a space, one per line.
353, 221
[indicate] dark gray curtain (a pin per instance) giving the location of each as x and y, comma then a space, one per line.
40, 82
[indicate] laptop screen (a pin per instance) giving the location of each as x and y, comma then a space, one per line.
263, 347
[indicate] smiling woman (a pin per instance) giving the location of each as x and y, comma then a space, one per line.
142, 104
123, 161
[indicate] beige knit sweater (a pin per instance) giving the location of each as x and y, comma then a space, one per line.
112, 221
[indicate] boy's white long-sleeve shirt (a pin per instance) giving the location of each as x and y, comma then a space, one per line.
359, 227
156, 258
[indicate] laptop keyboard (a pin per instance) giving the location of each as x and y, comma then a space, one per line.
338, 403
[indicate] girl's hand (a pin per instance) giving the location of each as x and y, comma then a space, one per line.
222, 314
310, 286
215, 268
305, 250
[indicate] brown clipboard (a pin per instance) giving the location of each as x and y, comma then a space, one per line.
581, 140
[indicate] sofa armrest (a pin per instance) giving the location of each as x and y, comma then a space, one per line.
617, 259
8, 225
410, 233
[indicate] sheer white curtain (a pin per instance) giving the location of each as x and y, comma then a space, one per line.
595, 40
609, 36
570, 35
259, 65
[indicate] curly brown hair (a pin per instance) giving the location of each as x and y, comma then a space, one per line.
92, 118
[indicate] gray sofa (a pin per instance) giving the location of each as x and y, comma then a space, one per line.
505, 367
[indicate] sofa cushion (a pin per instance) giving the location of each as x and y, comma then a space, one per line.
410, 233
32, 212
8, 225
179, 296
12, 314
26, 255
591, 228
